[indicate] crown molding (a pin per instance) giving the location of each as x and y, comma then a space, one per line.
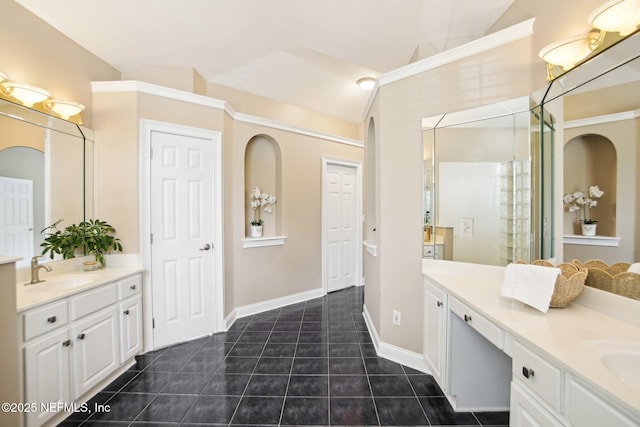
607, 118
483, 44
180, 95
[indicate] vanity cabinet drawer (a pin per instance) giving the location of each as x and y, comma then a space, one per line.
537, 374
44, 319
487, 329
92, 301
129, 286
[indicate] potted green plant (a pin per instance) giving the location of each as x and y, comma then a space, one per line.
94, 237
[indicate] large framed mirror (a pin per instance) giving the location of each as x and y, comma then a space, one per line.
590, 114
487, 198
46, 175
599, 104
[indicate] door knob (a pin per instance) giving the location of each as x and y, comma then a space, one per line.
206, 247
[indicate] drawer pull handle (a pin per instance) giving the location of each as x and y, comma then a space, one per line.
132, 287
527, 372
467, 318
51, 319
439, 303
66, 343
81, 336
126, 312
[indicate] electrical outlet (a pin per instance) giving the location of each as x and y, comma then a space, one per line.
466, 227
396, 318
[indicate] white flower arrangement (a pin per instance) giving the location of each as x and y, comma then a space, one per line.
580, 201
260, 200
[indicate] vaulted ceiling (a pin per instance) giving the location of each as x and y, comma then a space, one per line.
304, 52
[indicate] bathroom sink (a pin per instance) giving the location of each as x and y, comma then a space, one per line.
66, 281
621, 358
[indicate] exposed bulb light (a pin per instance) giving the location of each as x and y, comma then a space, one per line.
566, 53
27, 94
366, 83
64, 109
617, 16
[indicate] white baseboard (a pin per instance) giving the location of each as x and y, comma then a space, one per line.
259, 307
392, 352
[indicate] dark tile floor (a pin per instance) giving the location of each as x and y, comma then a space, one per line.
311, 363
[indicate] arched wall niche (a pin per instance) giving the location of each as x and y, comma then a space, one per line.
370, 182
263, 169
591, 159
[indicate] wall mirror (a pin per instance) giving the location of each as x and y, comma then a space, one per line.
599, 104
46, 175
483, 198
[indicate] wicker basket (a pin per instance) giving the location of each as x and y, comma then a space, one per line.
568, 285
612, 278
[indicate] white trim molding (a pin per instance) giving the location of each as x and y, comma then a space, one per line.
591, 240
607, 118
392, 352
180, 95
260, 242
259, 307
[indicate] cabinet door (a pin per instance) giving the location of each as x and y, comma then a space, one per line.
96, 349
435, 332
46, 363
585, 409
130, 328
526, 412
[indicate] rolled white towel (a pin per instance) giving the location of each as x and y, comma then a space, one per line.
530, 284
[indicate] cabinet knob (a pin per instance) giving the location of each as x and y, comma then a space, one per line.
81, 336
51, 319
439, 303
132, 287
66, 343
467, 318
527, 372
126, 312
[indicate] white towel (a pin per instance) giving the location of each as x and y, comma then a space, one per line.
531, 284
634, 268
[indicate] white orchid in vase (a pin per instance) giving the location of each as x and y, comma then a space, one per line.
580, 201
261, 201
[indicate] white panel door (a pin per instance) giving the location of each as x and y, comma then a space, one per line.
182, 262
341, 227
16, 218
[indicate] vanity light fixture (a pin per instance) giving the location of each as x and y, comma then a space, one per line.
3, 77
366, 83
569, 52
64, 109
27, 94
617, 16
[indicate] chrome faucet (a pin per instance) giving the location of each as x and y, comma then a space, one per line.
35, 270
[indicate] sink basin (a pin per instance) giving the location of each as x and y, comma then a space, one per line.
66, 281
625, 366
620, 358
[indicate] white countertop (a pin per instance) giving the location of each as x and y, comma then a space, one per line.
29, 297
561, 334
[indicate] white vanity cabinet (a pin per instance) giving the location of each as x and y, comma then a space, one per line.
435, 315
544, 395
76, 343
